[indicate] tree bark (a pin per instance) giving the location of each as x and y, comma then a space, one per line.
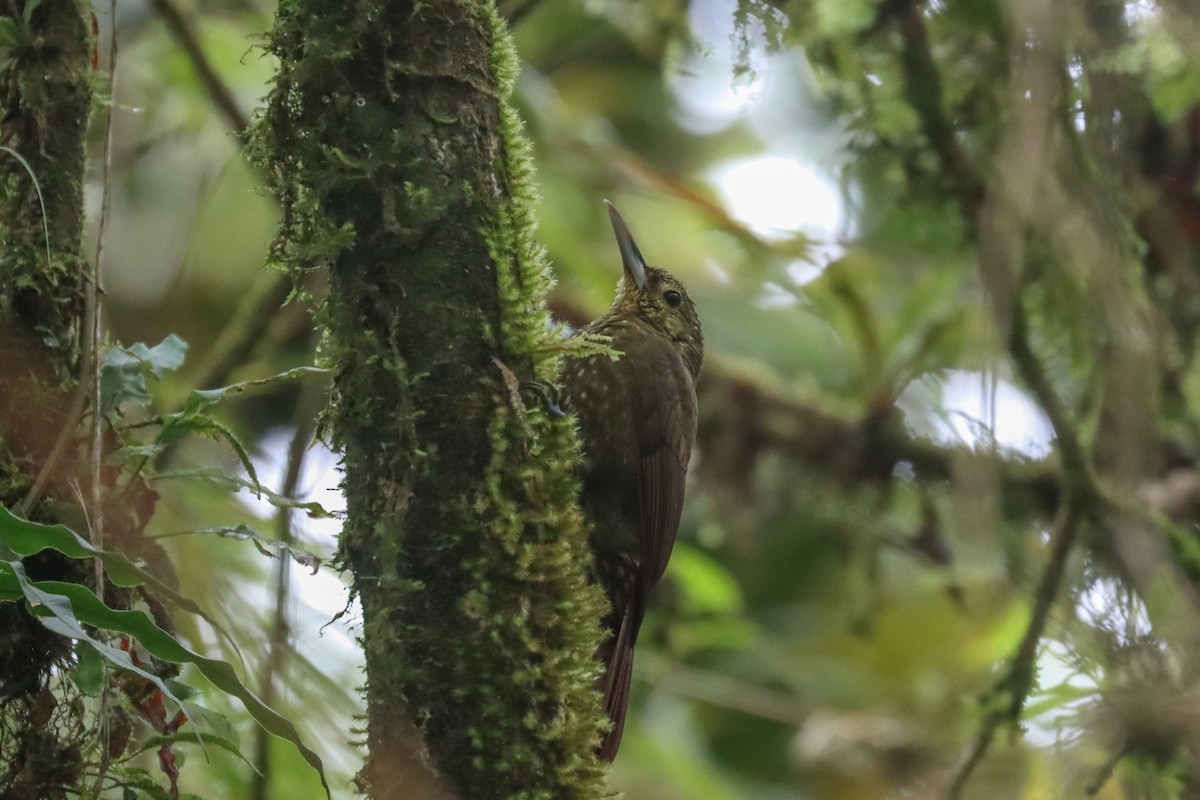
400, 166
46, 94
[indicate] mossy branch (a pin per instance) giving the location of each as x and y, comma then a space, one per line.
401, 166
45, 101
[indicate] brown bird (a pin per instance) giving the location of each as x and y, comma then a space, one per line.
637, 421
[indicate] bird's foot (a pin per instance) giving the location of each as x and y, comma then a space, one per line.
549, 394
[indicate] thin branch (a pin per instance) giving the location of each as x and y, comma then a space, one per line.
974, 754
95, 317
1018, 678
923, 91
95, 326
747, 415
1021, 670
217, 89
1105, 772
1033, 374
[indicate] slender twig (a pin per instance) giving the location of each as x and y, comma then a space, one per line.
94, 310
95, 326
217, 89
924, 94
923, 91
1017, 681
1021, 670
777, 419
1080, 494
1074, 461
1105, 772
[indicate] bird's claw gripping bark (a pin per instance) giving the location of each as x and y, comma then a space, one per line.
549, 394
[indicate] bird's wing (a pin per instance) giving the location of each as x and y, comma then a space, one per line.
667, 429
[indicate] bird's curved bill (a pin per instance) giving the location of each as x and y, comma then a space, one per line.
631, 257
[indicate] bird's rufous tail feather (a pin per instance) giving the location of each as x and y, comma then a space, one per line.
618, 674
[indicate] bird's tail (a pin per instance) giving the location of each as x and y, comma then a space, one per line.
618, 674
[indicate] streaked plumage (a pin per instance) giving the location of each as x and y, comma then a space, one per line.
637, 420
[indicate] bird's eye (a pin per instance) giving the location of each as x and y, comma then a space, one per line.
672, 297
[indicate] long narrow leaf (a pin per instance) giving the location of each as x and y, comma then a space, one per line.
72, 604
220, 429
37, 187
26, 538
57, 614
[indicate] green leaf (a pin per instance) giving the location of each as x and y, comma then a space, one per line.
176, 426
51, 602
9, 37
138, 784
41, 198
72, 604
26, 538
30, 7
88, 674
192, 419
212, 722
123, 372
138, 451
707, 586
122, 380
165, 357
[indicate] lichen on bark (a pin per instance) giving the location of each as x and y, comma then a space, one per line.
400, 164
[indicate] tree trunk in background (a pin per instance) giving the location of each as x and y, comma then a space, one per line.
400, 166
47, 97
46, 103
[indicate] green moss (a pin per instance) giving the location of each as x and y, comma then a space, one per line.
402, 168
47, 98
41, 216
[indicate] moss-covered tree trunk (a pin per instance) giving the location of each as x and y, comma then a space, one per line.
45, 86
401, 166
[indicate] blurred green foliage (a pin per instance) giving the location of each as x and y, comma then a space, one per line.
873, 503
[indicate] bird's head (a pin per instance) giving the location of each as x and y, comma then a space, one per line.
655, 297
